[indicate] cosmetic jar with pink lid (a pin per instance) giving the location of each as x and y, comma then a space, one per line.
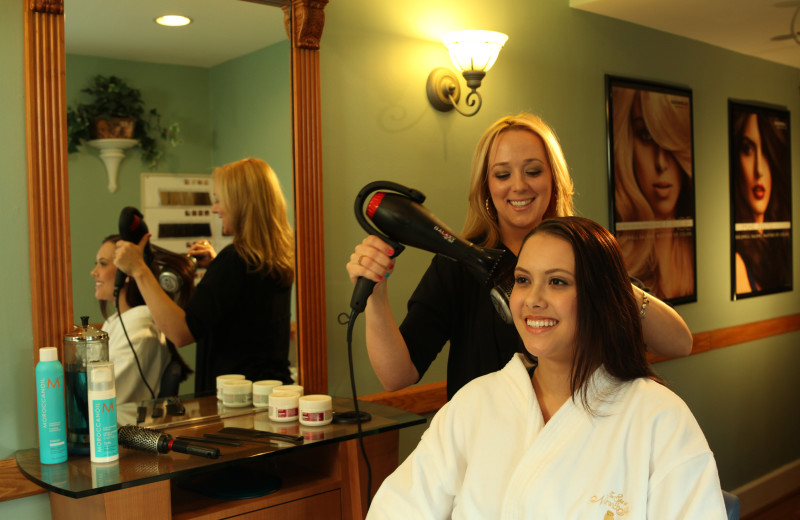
261, 391
237, 393
283, 406
315, 410
221, 380
290, 388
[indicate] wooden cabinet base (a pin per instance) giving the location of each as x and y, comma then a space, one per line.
147, 502
326, 482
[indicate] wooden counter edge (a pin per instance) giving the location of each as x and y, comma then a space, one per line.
13, 484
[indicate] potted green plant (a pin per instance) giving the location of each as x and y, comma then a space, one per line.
117, 111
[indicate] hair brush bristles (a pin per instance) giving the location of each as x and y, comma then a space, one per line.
139, 438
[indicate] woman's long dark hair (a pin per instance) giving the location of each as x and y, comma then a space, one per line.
609, 331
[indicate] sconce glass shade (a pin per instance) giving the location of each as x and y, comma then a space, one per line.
474, 50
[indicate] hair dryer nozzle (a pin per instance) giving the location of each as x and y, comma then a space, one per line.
484, 261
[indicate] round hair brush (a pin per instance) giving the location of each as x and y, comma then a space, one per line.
154, 441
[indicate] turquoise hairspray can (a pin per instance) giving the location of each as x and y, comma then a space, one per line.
50, 410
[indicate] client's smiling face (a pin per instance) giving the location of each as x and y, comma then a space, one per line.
104, 272
544, 301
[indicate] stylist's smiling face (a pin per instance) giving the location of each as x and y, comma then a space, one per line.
221, 211
104, 272
520, 180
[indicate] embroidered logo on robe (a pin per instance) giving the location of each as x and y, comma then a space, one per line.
613, 500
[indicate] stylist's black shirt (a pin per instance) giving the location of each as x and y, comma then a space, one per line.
450, 303
241, 322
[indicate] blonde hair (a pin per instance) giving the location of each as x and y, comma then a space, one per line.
252, 196
480, 224
668, 119
670, 125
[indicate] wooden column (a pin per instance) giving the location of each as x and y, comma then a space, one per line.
307, 20
48, 181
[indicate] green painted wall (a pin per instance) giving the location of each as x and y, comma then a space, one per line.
377, 124
18, 424
251, 110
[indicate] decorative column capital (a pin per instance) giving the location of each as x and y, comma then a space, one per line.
46, 6
309, 19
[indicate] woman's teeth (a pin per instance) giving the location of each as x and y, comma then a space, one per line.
520, 203
541, 324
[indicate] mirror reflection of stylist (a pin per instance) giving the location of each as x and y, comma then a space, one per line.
239, 315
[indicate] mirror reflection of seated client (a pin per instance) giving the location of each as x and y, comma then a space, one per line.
575, 427
240, 313
140, 352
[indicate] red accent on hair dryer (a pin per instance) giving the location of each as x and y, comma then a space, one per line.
398, 217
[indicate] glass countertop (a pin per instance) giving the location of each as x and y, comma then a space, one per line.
79, 477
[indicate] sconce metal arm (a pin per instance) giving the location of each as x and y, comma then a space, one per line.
444, 90
469, 101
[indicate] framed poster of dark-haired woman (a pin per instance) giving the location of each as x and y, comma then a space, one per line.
761, 203
651, 178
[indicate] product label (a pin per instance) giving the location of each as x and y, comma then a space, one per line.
283, 412
236, 398
316, 416
50, 410
104, 428
47, 385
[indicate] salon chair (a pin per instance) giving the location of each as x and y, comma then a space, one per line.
174, 373
171, 379
732, 506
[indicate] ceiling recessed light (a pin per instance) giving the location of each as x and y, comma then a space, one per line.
173, 20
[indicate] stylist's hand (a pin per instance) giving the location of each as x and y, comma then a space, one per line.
371, 259
129, 257
203, 252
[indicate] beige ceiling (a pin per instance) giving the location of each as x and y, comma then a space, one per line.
225, 29
125, 29
744, 26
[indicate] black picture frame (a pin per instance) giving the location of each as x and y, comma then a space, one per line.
759, 147
651, 184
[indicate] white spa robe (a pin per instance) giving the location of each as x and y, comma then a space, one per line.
489, 455
151, 349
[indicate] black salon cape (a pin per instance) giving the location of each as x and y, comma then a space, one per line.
241, 322
450, 303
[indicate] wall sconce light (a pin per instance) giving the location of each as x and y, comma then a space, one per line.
473, 53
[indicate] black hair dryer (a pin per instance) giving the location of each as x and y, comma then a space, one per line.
396, 215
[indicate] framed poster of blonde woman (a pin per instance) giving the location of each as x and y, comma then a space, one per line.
761, 204
651, 178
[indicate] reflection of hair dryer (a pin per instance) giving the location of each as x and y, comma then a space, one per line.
131, 228
400, 218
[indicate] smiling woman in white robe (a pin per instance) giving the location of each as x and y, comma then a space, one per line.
577, 428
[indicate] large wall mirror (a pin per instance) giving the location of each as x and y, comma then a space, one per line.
48, 180
225, 79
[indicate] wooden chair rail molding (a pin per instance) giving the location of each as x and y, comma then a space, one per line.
424, 399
